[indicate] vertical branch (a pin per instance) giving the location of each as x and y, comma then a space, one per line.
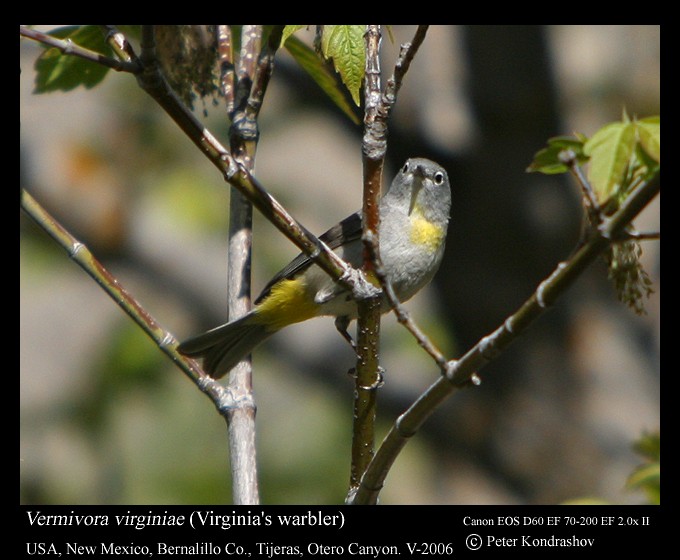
243, 140
241, 418
374, 147
251, 75
368, 322
240, 413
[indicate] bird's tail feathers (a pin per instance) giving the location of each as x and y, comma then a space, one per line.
225, 346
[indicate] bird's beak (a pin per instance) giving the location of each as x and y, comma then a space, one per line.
417, 184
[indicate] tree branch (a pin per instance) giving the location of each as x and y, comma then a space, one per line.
242, 450
406, 55
255, 65
374, 147
83, 257
68, 47
367, 377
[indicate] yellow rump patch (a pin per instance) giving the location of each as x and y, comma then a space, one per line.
288, 302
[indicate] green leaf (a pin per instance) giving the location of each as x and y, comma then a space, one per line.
288, 31
314, 66
649, 446
550, 161
649, 136
610, 150
647, 477
344, 44
62, 72
644, 476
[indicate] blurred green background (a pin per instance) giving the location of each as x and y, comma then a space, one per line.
106, 418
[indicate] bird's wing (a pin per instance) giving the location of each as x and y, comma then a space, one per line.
346, 231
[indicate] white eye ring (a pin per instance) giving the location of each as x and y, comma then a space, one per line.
438, 178
405, 168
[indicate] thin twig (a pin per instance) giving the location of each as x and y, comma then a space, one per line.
374, 147
252, 72
406, 55
68, 47
244, 128
644, 235
592, 207
404, 317
262, 72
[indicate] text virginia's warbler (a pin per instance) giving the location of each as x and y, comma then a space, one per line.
414, 215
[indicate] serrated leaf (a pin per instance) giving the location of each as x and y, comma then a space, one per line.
649, 136
61, 72
288, 31
344, 44
314, 66
549, 160
610, 150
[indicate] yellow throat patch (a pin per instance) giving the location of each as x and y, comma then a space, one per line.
425, 234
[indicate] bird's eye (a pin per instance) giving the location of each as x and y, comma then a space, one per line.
438, 178
405, 168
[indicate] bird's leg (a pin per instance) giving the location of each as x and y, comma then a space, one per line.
341, 324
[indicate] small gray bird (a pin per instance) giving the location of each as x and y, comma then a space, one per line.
414, 215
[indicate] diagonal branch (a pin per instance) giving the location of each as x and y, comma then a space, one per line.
68, 47
406, 55
83, 257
